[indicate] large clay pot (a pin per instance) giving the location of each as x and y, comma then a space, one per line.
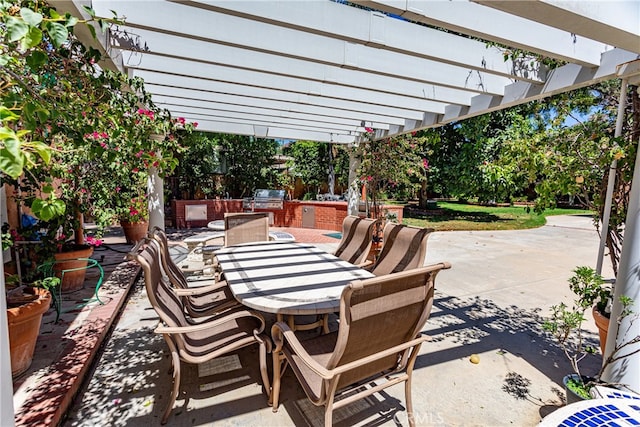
24, 327
134, 231
71, 268
602, 322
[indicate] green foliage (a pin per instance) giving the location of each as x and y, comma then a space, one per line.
309, 162
75, 139
565, 323
198, 164
389, 163
249, 163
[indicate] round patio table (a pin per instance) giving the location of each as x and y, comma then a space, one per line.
595, 412
287, 278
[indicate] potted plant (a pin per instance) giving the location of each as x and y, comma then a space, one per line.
133, 215
25, 308
565, 325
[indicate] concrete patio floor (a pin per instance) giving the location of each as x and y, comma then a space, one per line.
489, 303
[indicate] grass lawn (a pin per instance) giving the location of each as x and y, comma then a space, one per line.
459, 216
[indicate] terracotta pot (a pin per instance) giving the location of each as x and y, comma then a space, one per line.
24, 328
602, 322
70, 269
134, 231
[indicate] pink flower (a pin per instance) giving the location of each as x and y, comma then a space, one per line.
93, 241
118, 189
103, 145
135, 170
195, 124
425, 163
368, 130
181, 120
139, 153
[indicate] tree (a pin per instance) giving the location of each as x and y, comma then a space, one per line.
574, 156
309, 162
198, 164
249, 163
388, 162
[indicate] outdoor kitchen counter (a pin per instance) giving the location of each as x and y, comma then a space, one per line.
323, 215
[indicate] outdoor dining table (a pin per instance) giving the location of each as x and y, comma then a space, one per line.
285, 278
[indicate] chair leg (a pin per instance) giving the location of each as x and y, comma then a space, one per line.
263, 367
328, 412
277, 373
175, 359
407, 397
407, 384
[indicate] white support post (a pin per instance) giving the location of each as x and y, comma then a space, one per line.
6, 393
622, 103
627, 370
354, 191
155, 191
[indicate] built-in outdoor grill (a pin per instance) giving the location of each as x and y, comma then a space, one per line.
268, 199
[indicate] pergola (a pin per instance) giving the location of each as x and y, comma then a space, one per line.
324, 70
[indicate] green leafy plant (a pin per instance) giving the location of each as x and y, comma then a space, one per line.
565, 325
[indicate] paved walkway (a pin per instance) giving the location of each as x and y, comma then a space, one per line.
489, 303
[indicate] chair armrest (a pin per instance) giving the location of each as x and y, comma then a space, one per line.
388, 352
195, 291
364, 264
280, 332
216, 321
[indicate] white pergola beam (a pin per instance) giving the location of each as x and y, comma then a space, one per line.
212, 108
237, 89
235, 102
234, 57
301, 91
373, 29
497, 26
214, 27
616, 23
262, 118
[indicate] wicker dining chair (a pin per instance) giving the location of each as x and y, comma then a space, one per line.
192, 342
403, 248
378, 338
245, 228
199, 301
357, 237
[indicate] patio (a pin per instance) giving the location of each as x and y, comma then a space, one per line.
489, 304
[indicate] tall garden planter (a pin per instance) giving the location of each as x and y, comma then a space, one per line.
602, 322
134, 231
71, 266
24, 327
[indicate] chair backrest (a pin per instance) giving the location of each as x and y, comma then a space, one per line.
379, 313
357, 235
245, 228
403, 247
164, 301
173, 271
